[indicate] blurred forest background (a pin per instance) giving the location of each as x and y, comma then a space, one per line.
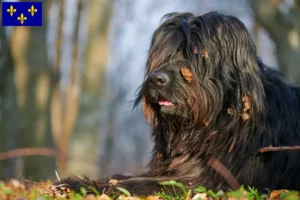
66, 88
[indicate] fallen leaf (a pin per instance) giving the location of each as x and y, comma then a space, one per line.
202, 196
113, 181
187, 74
189, 195
103, 197
152, 198
90, 197
276, 194
128, 198
14, 183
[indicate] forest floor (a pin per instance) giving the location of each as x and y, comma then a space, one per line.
27, 190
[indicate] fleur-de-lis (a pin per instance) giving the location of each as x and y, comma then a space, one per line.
32, 10
11, 10
22, 18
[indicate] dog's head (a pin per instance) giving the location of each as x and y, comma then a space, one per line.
198, 68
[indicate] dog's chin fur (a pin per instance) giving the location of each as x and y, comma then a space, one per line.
231, 108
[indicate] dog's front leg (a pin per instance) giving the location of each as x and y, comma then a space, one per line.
140, 186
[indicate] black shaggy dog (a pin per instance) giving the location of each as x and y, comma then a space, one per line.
207, 95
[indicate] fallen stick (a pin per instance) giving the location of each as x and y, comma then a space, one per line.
27, 152
283, 148
225, 173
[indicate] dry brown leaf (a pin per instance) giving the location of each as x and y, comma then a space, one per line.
247, 106
16, 184
68, 190
246, 98
202, 196
90, 197
187, 74
103, 197
128, 198
189, 195
245, 116
230, 111
247, 103
205, 54
152, 198
276, 194
113, 181
53, 188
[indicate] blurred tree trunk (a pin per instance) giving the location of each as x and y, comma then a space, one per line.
34, 89
65, 99
283, 26
68, 103
9, 113
92, 91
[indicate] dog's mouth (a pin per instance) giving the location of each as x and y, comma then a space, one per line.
165, 102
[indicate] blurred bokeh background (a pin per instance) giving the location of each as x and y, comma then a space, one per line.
66, 88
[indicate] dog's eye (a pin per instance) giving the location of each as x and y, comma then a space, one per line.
187, 74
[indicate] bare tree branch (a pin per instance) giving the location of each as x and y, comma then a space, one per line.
27, 152
283, 148
224, 172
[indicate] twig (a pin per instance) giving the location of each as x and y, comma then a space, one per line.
283, 148
27, 152
224, 172
57, 176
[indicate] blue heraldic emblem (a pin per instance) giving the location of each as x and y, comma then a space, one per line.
22, 14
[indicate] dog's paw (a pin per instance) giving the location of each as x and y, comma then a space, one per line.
80, 184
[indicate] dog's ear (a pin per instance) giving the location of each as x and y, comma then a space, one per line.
241, 72
247, 90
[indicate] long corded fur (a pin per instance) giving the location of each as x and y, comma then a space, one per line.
222, 57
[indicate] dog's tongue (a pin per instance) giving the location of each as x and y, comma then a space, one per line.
165, 103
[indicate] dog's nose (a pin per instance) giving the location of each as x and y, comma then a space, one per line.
159, 78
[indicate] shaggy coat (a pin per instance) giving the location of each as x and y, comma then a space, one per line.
207, 95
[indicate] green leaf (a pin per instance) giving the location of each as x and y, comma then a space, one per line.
212, 194
124, 191
94, 190
237, 194
220, 193
77, 196
174, 183
181, 186
4, 190
199, 189
170, 182
41, 198
291, 195
83, 191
